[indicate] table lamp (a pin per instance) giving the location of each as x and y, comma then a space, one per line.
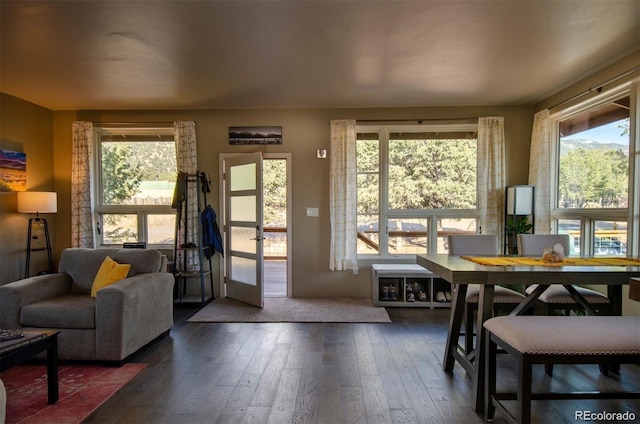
37, 202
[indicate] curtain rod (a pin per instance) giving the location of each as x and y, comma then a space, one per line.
134, 123
597, 88
418, 120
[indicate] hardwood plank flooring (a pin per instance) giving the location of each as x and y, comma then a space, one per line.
327, 373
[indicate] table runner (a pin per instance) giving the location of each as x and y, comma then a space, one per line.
518, 260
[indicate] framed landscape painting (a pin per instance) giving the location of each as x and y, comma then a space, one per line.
13, 171
255, 135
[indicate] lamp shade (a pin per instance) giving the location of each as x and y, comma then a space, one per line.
519, 200
37, 202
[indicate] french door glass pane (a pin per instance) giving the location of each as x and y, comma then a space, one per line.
244, 270
243, 208
243, 177
241, 239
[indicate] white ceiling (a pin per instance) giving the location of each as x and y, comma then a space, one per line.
295, 53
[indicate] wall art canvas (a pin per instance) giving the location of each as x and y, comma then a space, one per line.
255, 135
13, 171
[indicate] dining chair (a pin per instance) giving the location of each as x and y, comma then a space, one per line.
504, 299
556, 297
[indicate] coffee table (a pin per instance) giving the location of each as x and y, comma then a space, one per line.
16, 351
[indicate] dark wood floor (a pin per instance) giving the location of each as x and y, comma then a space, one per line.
326, 373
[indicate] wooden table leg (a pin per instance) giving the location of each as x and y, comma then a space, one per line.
455, 323
485, 311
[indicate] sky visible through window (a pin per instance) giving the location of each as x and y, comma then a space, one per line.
609, 133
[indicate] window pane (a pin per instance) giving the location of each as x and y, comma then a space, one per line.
368, 157
368, 234
138, 172
368, 193
118, 228
571, 227
368, 170
448, 226
432, 173
407, 236
610, 238
594, 158
161, 229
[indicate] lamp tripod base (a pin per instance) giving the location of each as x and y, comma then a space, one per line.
33, 236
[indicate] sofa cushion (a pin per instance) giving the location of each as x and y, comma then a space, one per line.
82, 264
110, 272
68, 311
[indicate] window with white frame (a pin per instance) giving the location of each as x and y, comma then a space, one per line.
416, 184
593, 179
135, 180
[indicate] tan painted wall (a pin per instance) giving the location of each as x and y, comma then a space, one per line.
304, 131
24, 127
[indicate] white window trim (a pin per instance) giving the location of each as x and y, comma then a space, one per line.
140, 210
587, 217
431, 215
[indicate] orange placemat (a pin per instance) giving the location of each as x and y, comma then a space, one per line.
517, 260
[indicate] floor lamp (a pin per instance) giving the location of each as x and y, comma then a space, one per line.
37, 202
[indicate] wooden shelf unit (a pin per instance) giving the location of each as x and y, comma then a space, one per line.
396, 277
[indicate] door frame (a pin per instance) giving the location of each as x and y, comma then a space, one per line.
265, 156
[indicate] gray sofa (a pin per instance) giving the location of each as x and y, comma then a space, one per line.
122, 318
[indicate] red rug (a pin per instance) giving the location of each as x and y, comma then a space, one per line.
82, 388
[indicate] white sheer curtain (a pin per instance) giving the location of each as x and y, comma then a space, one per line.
82, 221
187, 162
491, 174
540, 170
343, 197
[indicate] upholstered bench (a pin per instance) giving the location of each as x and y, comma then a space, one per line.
557, 340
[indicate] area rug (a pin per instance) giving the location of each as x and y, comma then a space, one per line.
82, 389
293, 310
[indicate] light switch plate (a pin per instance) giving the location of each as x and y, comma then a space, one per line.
313, 212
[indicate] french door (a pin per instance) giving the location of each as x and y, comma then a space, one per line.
244, 233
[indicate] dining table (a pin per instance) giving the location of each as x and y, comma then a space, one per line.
488, 272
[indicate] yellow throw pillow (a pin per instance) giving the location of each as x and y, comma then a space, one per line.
110, 271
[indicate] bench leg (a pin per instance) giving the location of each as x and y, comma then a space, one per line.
523, 412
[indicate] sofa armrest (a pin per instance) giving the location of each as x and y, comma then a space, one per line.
14, 296
131, 313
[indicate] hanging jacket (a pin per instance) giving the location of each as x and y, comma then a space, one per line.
211, 236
